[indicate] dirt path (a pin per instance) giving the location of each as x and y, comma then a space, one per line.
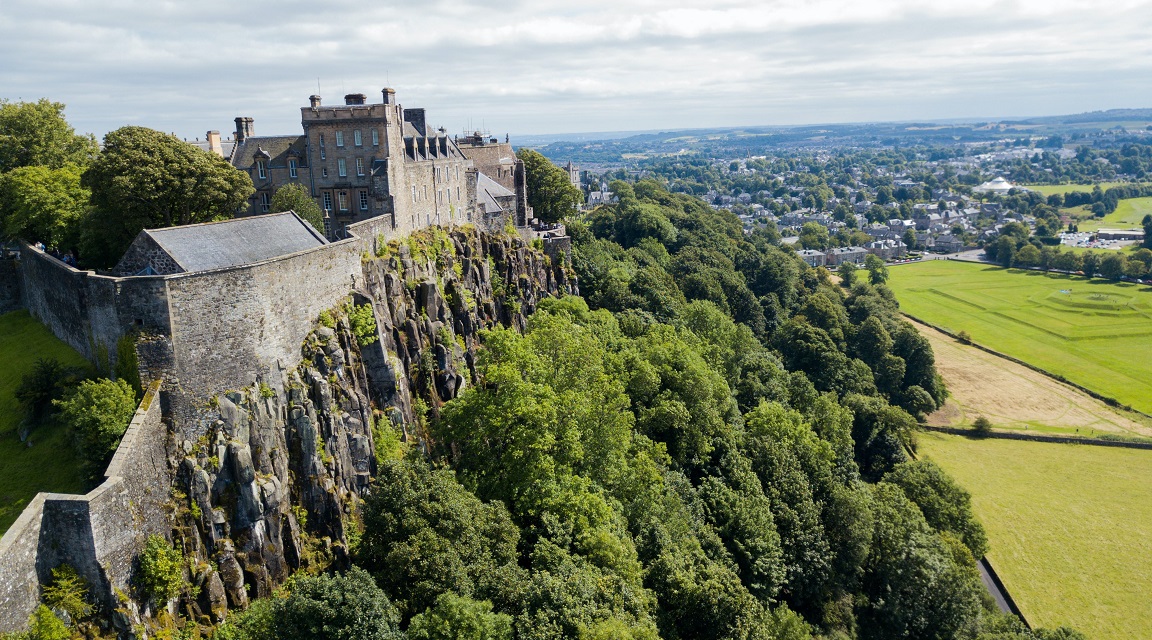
1015, 397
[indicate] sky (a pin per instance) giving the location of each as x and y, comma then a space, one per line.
537, 67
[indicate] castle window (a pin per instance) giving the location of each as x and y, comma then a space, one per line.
343, 167
323, 172
327, 201
375, 138
342, 197
363, 200
339, 138
356, 139
265, 201
359, 166
293, 170
321, 146
261, 169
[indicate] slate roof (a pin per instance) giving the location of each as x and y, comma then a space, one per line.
216, 245
277, 148
487, 190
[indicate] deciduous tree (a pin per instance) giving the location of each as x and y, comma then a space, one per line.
294, 197
551, 194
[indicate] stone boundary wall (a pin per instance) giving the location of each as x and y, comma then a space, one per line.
99, 533
10, 297
1112, 402
1035, 437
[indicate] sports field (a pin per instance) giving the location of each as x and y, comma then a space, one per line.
50, 464
1095, 333
1067, 527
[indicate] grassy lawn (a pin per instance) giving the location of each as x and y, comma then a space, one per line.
1095, 333
1067, 526
50, 464
1049, 189
1128, 215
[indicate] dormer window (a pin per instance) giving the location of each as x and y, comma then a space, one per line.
293, 168
261, 169
339, 138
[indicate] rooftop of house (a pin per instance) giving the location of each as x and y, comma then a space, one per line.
240, 241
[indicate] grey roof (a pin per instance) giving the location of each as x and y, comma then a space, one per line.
487, 190
216, 245
277, 148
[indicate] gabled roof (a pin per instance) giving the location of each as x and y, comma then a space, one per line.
487, 192
276, 147
216, 245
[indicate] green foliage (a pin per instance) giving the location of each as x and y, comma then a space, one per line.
347, 606
266, 391
48, 381
161, 572
295, 197
946, 506
43, 204
326, 319
877, 272
982, 425
97, 413
254, 623
456, 617
35, 134
363, 323
386, 440
550, 193
145, 179
425, 535
44, 625
68, 592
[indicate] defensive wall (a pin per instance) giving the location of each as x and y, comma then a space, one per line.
99, 533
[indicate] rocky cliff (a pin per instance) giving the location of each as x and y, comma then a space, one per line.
274, 483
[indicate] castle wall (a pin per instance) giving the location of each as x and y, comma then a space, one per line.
235, 326
87, 311
10, 285
99, 533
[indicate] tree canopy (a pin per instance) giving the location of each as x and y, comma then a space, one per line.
147, 179
551, 194
35, 134
295, 197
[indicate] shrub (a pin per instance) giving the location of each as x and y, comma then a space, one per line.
348, 606
455, 617
982, 425
363, 323
161, 575
964, 337
97, 414
44, 625
46, 382
68, 592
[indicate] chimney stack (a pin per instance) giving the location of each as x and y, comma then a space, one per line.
314, 100
389, 95
355, 98
244, 129
213, 138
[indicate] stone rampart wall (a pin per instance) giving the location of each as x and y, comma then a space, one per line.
233, 327
10, 285
90, 312
99, 533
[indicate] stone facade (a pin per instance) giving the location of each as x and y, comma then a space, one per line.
362, 161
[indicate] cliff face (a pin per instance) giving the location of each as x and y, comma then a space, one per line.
273, 484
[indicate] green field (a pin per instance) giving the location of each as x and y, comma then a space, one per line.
1095, 333
1067, 527
1049, 189
50, 464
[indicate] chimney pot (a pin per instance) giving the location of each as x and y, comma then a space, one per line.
314, 100
389, 95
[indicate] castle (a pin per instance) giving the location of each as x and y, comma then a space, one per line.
220, 307
361, 161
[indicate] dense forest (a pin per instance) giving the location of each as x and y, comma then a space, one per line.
713, 443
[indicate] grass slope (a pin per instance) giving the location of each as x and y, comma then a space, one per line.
1129, 214
1067, 526
51, 463
1095, 333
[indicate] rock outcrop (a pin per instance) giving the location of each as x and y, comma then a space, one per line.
274, 483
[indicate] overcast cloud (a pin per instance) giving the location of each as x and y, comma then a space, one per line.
592, 65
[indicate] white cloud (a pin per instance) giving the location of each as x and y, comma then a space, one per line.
594, 65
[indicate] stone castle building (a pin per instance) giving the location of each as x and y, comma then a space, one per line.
362, 161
